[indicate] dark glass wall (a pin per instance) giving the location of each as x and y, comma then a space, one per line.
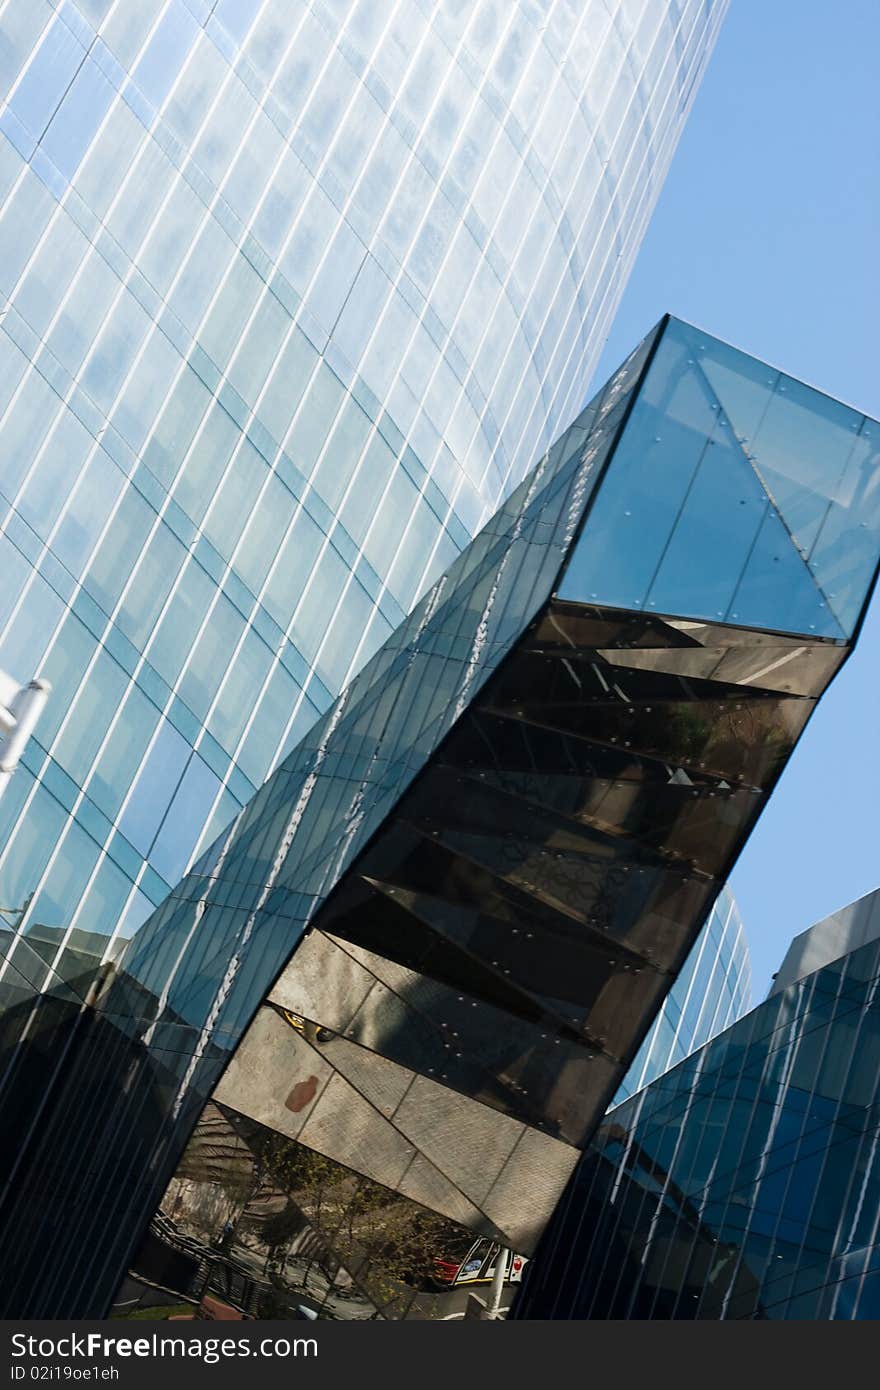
745, 1183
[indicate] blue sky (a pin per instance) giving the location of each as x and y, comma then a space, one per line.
766, 234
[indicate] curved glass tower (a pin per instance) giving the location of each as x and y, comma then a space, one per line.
292, 295
713, 990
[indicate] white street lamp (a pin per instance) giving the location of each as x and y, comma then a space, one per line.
20, 708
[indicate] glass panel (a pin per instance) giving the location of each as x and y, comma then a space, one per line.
241, 690
117, 765
266, 529
64, 668
713, 533
37, 832
151, 584
734, 493
777, 589
107, 898
207, 664
846, 548
182, 825
154, 788
76, 121
73, 861
271, 1228
87, 511
96, 704
120, 548
49, 74
277, 703
639, 498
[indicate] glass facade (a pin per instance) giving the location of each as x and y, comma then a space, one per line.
292, 295
429, 946
713, 990
744, 1183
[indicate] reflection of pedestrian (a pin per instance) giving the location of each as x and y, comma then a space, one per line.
224, 1239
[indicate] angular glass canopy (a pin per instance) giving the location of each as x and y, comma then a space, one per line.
737, 495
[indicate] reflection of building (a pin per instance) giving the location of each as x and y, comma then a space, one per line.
290, 1241
293, 295
274, 1227
713, 990
430, 946
745, 1182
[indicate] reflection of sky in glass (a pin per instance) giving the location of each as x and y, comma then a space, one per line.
713, 990
754, 1161
737, 494
293, 298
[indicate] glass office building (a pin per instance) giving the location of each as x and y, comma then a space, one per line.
713, 990
744, 1183
293, 295
429, 947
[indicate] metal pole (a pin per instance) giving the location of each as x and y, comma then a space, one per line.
499, 1274
18, 724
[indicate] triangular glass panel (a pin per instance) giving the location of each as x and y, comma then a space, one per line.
713, 533
778, 590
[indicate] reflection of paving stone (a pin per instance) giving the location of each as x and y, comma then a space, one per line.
276, 1078
348, 1129
528, 1187
379, 1080
326, 985
429, 1187
467, 1141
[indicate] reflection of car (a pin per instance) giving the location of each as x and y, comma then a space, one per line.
476, 1265
312, 1032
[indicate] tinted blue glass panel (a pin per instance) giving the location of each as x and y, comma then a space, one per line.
163, 766
77, 119
737, 494
46, 80
167, 49
777, 578
186, 816
71, 867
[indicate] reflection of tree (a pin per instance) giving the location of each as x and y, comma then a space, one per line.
366, 1234
394, 1242
686, 732
279, 1231
306, 1179
353, 1232
296, 1223
744, 738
